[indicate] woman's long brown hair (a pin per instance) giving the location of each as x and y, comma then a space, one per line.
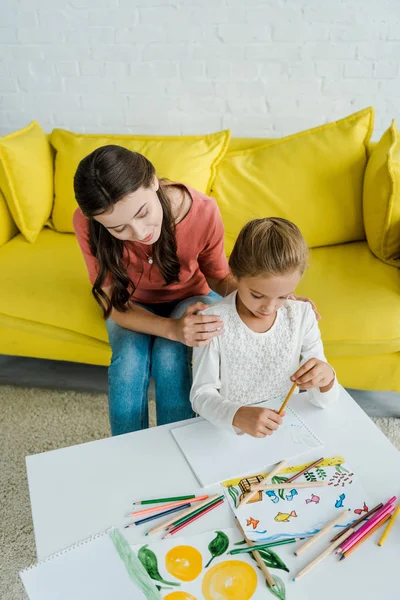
103, 178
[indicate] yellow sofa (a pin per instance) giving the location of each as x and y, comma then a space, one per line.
47, 311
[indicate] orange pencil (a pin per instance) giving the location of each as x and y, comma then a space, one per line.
282, 408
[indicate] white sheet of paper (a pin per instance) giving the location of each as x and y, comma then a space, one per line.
90, 569
302, 512
191, 572
215, 454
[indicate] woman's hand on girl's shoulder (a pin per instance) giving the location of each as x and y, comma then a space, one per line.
194, 330
304, 299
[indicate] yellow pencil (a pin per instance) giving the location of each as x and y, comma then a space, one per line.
389, 526
282, 408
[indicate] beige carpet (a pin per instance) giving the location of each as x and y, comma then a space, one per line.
32, 421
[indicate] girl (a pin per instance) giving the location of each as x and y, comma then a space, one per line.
265, 337
154, 251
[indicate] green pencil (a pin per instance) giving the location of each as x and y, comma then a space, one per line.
264, 546
195, 512
159, 500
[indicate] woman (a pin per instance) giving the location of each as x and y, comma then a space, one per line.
155, 257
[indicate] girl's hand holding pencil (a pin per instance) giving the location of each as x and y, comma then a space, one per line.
258, 422
314, 373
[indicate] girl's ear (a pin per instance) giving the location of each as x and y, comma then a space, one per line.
156, 184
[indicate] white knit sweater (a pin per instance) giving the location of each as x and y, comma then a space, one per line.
242, 367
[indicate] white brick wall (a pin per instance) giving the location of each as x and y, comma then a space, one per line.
259, 67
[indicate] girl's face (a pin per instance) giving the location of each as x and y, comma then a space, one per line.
263, 296
137, 217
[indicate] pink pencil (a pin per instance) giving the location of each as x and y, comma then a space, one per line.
189, 521
386, 508
159, 507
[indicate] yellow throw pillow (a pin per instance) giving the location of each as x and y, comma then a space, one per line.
313, 178
7, 226
26, 178
382, 197
190, 159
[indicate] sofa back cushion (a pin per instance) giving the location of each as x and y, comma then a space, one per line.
190, 159
26, 178
313, 178
382, 198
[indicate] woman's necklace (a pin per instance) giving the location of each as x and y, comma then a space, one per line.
149, 258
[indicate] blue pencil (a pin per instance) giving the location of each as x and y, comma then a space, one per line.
158, 515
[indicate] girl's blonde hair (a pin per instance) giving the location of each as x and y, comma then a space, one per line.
271, 246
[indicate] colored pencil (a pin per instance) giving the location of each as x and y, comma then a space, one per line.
189, 521
322, 532
157, 515
184, 514
257, 557
323, 555
264, 546
256, 488
389, 527
160, 500
366, 536
282, 408
288, 486
197, 510
147, 511
368, 525
307, 468
360, 520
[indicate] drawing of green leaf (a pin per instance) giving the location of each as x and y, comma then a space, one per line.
272, 560
134, 566
321, 473
149, 561
240, 543
309, 475
278, 479
341, 469
279, 589
218, 546
234, 494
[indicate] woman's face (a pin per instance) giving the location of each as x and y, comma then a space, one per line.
137, 217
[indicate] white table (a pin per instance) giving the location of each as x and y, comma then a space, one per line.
84, 489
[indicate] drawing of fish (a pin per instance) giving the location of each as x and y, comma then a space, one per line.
339, 501
291, 495
271, 494
284, 517
358, 511
252, 522
313, 498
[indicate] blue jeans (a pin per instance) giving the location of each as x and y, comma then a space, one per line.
136, 357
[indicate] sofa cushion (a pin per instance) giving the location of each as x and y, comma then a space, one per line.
47, 284
8, 227
190, 159
381, 199
313, 178
26, 178
358, 297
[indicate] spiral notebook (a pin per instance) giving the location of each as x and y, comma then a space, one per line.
102, 567
215, 454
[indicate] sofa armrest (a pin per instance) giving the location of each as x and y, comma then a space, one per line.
8, 228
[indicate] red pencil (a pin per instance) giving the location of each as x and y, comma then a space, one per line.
189, 521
